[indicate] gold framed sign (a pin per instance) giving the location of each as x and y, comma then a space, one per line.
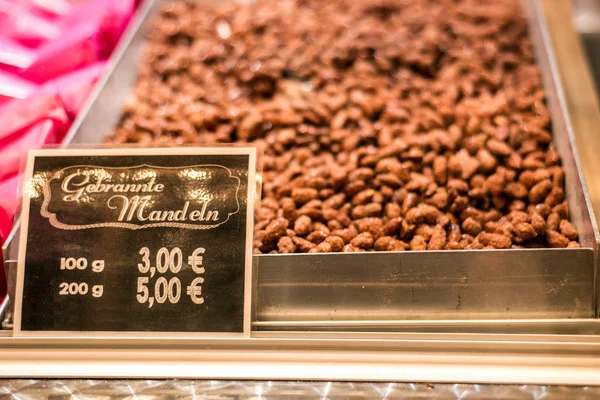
130, 241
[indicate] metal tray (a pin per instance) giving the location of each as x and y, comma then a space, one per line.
399, 291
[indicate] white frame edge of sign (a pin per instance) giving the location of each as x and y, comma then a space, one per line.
134, 151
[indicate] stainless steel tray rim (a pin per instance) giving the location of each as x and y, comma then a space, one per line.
427, 252
104, 107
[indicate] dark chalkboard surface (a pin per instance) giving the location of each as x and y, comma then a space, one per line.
123, 241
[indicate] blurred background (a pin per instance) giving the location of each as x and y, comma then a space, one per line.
586, 19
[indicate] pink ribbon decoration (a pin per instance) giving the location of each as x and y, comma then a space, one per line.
8, 203
76, 48
25, 26
73, 88
18, 115
15, 151
14, 87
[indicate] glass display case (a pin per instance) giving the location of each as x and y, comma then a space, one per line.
517, 315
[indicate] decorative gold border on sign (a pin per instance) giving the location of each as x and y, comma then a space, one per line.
213, 337
57, 224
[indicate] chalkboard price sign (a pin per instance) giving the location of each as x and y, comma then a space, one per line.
123, 242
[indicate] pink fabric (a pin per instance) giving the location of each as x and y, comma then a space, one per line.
15, 56
76, 48
109, 17
74, 88
23, 25
19, 115
3, 286
51, 8
14, 87
52, 52
14, 151
8, 203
